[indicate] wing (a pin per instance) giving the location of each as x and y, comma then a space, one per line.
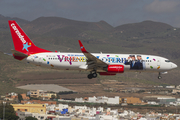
92, 61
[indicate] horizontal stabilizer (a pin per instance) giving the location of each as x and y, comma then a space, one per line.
18, 55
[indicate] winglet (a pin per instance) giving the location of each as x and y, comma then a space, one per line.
82, 47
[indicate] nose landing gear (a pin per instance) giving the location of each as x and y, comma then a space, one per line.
159, 76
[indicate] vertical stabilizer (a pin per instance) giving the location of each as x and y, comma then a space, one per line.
21, 41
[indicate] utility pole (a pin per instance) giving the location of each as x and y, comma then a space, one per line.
4, 103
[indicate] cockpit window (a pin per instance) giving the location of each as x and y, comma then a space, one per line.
167, 61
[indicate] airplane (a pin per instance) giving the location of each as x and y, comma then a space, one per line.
101, 63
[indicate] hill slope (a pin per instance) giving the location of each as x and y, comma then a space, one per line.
47, 24
62, 34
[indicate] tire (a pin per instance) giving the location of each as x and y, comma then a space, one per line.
90, 76
94, 75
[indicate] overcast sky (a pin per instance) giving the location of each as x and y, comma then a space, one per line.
114, 12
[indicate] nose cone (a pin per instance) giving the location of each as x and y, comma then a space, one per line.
174, 65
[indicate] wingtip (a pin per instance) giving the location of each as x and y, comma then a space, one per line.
79, 41
82, 47
10, 21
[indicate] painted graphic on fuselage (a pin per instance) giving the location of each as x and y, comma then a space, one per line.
135, 64
81, 58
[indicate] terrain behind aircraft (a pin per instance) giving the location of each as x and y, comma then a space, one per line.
104, 64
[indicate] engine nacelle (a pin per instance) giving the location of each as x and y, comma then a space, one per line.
115, 69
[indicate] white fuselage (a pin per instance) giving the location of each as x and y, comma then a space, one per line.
77, 61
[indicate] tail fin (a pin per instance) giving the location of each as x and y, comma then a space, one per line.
21, 41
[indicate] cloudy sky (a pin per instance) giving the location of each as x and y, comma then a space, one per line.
115, 12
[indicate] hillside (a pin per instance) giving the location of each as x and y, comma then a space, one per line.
62, 34
4, 22
144, 29
56, 24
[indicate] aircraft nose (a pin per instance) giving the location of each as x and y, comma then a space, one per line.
174, 65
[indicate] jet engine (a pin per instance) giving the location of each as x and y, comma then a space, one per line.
115, 69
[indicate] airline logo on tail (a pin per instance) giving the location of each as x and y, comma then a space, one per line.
21, 37
25, 46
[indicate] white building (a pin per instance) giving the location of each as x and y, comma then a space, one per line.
100, 109
80, 107
79, 100
107, 117
39, 116
60, 107
13, 94
50, 107
92, 99
92, 111
172, 86
113, 100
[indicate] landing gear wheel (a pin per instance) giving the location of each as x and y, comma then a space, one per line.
90, 76
94, 75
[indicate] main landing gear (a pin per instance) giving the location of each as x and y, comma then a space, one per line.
159, 76
92, 75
